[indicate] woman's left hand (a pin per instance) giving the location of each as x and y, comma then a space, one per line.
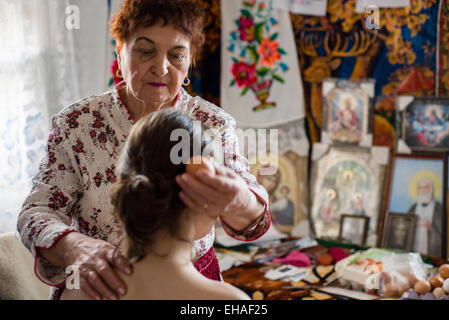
224, 194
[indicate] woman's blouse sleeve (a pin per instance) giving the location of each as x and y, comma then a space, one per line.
237, 162
46, 212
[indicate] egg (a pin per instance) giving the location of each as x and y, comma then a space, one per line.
436, 282
446, 286
444, 271
438, 293
197, 163
422, 287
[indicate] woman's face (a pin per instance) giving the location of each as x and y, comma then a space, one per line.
154, 63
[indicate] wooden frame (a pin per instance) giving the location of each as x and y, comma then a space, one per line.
409, 185
363, 234
394, 230
349, 120
422, 124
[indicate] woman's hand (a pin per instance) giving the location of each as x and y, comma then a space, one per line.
225, 194
95, 260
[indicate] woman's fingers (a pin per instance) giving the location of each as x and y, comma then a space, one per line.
197, 189
87, 289
95, 279
111, 278
116, 259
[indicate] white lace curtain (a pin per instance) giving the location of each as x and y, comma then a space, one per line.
44, 67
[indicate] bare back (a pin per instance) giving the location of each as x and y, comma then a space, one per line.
163, 281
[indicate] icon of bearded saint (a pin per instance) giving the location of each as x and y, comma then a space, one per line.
428, 236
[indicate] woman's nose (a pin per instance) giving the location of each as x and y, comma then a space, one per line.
160, 66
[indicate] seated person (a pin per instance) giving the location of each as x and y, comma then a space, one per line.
159, 228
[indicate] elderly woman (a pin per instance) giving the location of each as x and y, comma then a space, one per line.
67, 219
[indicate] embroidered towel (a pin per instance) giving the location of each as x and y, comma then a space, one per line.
261, 82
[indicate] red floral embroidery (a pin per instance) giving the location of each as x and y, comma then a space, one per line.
202, 115
110, 174
72, 119
58, 200
98, 178
51, 158
102, 138
79, 147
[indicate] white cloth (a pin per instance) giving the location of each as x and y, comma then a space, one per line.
306, 7
422, 233
45, 65
241, 48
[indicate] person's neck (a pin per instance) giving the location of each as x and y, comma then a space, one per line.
167, 250
136, 107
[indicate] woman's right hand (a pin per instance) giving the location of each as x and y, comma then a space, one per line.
95, 260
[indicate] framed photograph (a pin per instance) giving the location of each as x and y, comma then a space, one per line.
417, 185
346, 180
353, 229
400, 231
287, 183
422, 124
347, 112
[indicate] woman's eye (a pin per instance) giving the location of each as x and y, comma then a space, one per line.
147, 52
178, 56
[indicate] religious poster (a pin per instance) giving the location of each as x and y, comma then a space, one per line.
346, 181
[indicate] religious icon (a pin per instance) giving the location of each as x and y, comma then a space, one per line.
416, 187
423, 124
287, 186
346, 112
346, 181
400, 231
353, 229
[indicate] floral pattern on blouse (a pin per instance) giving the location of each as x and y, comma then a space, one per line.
71, 191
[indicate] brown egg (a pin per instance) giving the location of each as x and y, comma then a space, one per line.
444, 271
438, 293
422, 287
204, 163
436, 282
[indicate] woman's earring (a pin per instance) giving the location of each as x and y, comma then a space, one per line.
118, 74
186, 83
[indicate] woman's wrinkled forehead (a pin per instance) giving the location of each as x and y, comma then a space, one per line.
167, 35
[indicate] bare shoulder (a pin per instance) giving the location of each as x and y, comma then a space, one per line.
218, 290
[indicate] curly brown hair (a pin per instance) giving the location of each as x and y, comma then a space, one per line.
187, 16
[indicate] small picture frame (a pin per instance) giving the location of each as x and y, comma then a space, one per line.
417, 185
347, 112
353, 229
422, 124
400, 231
